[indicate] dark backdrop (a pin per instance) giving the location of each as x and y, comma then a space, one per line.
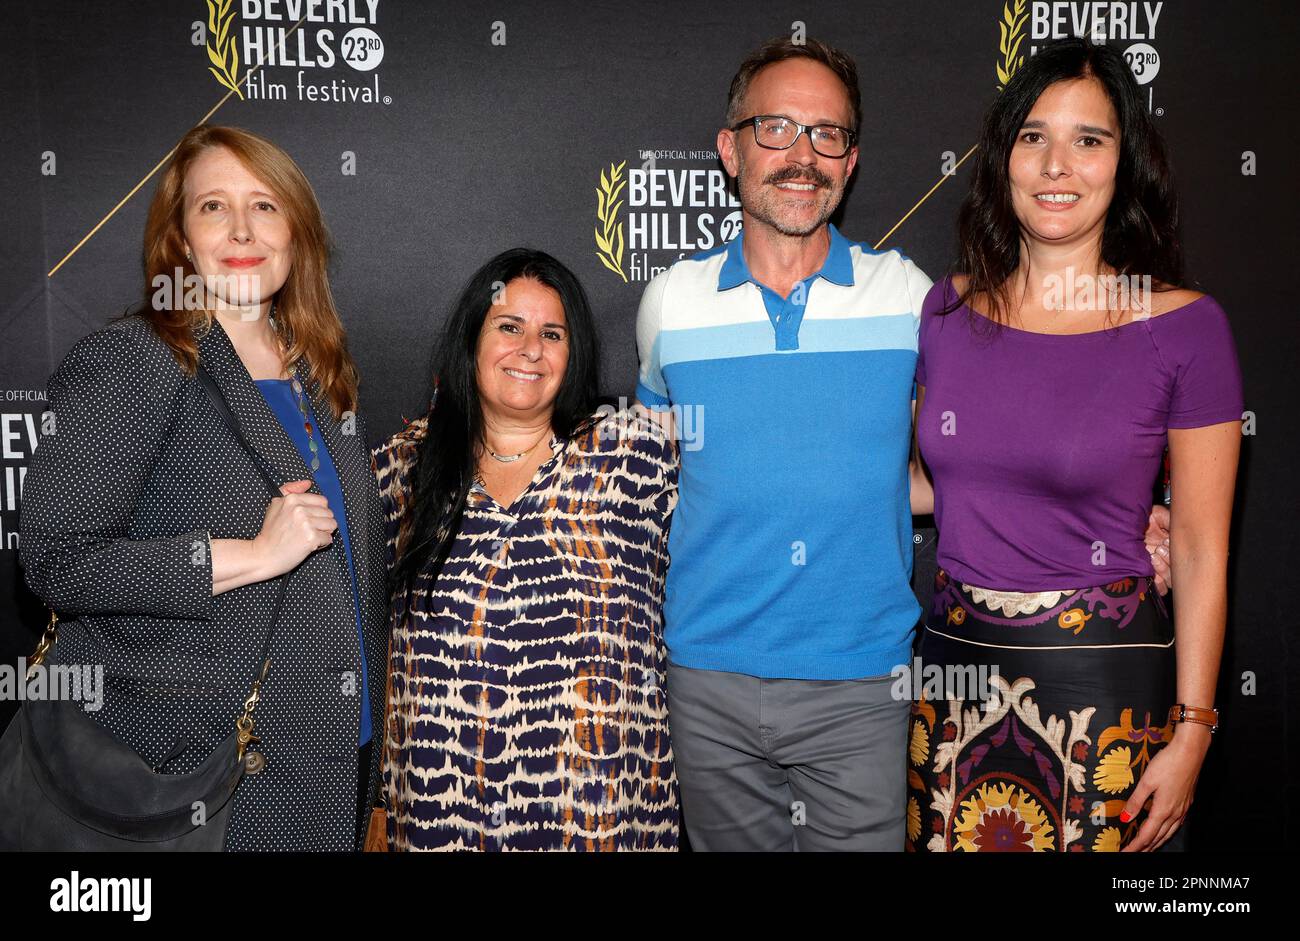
494, 129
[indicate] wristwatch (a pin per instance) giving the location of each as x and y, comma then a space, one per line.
1201, 715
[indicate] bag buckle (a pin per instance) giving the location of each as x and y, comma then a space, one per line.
48, 637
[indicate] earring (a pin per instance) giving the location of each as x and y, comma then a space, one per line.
189, 257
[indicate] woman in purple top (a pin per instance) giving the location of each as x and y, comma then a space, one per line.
1050, 378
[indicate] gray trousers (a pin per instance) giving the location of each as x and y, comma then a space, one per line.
770, 764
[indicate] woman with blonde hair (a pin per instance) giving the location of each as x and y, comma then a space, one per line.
147, 520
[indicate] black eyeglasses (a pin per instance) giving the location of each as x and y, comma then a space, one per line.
777, 132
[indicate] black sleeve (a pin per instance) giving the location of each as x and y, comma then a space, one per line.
110, 405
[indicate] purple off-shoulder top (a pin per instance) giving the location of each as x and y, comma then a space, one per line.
1044, 448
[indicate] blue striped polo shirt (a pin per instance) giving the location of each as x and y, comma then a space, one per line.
791, 543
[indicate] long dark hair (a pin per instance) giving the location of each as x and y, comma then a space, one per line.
446, 459
1140, 235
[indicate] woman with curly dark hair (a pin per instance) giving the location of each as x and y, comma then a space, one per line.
1052, 371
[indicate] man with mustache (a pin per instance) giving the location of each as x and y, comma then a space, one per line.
788, 598
788, 601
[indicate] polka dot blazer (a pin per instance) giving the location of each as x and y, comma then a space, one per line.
136, 473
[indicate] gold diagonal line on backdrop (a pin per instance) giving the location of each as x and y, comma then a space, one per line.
924, 198
135, 189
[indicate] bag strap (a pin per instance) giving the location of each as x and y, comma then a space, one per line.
245, 722
388, 704
388, 714
376, 838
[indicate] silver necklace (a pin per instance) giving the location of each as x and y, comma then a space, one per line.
511, 458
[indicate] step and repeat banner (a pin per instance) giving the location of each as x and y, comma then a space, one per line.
438, 134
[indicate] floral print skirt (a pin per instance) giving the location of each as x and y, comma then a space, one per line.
1037, 715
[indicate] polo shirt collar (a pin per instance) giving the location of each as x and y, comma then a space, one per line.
837, 268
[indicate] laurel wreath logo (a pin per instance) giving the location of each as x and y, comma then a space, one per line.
223, 52
609, 233
1012, 30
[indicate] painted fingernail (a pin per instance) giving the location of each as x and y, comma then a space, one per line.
1125, 817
